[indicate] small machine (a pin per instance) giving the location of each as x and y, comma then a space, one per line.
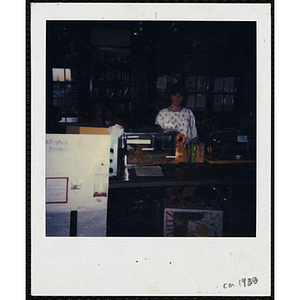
231, 145
180, 155
150, 148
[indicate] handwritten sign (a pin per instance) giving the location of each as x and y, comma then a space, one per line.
57, 145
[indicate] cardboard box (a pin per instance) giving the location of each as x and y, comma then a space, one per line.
86, 130
200, 153
193, 222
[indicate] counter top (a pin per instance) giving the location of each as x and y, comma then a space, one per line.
189, 174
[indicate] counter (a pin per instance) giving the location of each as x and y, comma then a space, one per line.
190, 174
136, 204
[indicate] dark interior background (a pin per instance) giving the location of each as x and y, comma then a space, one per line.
137, 53
121, 63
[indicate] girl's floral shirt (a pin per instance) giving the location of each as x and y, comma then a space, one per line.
182, 121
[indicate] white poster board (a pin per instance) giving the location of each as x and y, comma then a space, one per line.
77, 172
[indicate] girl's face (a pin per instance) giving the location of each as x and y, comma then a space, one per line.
176, 99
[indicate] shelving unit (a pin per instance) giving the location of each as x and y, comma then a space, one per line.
197, 88
110, 72
224, 94
110, 79
202, 93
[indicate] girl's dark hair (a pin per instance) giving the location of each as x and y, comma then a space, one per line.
176, 88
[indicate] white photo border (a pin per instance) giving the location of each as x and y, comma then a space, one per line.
107, 266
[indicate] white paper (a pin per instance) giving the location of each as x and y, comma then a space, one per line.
191, 100
161, 84
56, 190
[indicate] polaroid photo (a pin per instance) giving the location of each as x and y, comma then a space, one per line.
200, 229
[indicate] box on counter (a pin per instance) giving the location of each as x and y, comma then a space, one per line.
86, 130
200, 153
180, 222
193, 152
196, 152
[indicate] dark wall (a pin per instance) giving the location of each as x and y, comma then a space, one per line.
212, 49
